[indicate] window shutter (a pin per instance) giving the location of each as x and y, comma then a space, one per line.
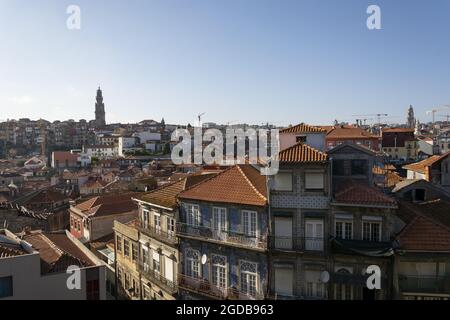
314, 181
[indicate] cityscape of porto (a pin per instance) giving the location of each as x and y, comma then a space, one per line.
252, 152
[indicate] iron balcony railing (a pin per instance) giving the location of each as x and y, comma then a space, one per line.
297, 243
157, 233
207, 288
159, 279
424, 284
224, 236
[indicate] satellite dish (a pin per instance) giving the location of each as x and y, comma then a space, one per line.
204, 259
325, 277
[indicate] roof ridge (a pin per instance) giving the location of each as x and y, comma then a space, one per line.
250, 183
306, 145
209, 179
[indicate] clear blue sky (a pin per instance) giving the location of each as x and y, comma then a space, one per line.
248, 60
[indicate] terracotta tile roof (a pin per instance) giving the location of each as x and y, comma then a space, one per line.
108, 205
421, 165
349, 132
350, 192
57, 252
302, 128
391, 178
95, 184
428, 226
7, 252
62, 156
47, 196
423, 234
166, 196
240, 184
301, 153
408, 130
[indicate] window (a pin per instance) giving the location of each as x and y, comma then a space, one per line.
300, 139
193, 215
219, 271
171, 226
145, 218
119, 243
339, 167
314, 286
119, 275
372, 231
344, 230
127, 281
314, 235
134, 252
359, 167
157, 221
249, 223
283, 181
192, 263
126, 248
6, 287
284, 281
248, 278
156, 262
220, 219
314, 181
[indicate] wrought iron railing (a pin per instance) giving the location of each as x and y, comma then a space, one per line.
226, 236
157, 233
297, 243
205, 287
424, 284
159, 279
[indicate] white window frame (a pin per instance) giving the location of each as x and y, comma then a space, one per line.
171, 225
276, 186
372, 222
146, 218
315, 173
193, 216
247, 227
192, 264
247, 275
224, 213
215, 272
157, 221
344, 228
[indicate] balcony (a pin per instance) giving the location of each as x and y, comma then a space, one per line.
206, 288
219, 236
297, 243
424, 284
157, 278
157, 233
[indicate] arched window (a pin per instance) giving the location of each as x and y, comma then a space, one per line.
192, 263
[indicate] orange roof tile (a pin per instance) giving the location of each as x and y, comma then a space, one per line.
239, 184
301, 153
108, 205
349, 132
302, 128
352, 192
423, 234
421, 165
166, 196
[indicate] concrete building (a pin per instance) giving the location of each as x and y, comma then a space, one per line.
299, 204
400, 144
33, 267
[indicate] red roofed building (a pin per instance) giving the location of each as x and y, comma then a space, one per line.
400, 143
423, 259
65, 160
337, 135
94, 218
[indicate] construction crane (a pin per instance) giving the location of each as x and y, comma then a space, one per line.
434, 111
378, 115
447, 117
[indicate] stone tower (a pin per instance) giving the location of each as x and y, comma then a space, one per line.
99, 110
411, 121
